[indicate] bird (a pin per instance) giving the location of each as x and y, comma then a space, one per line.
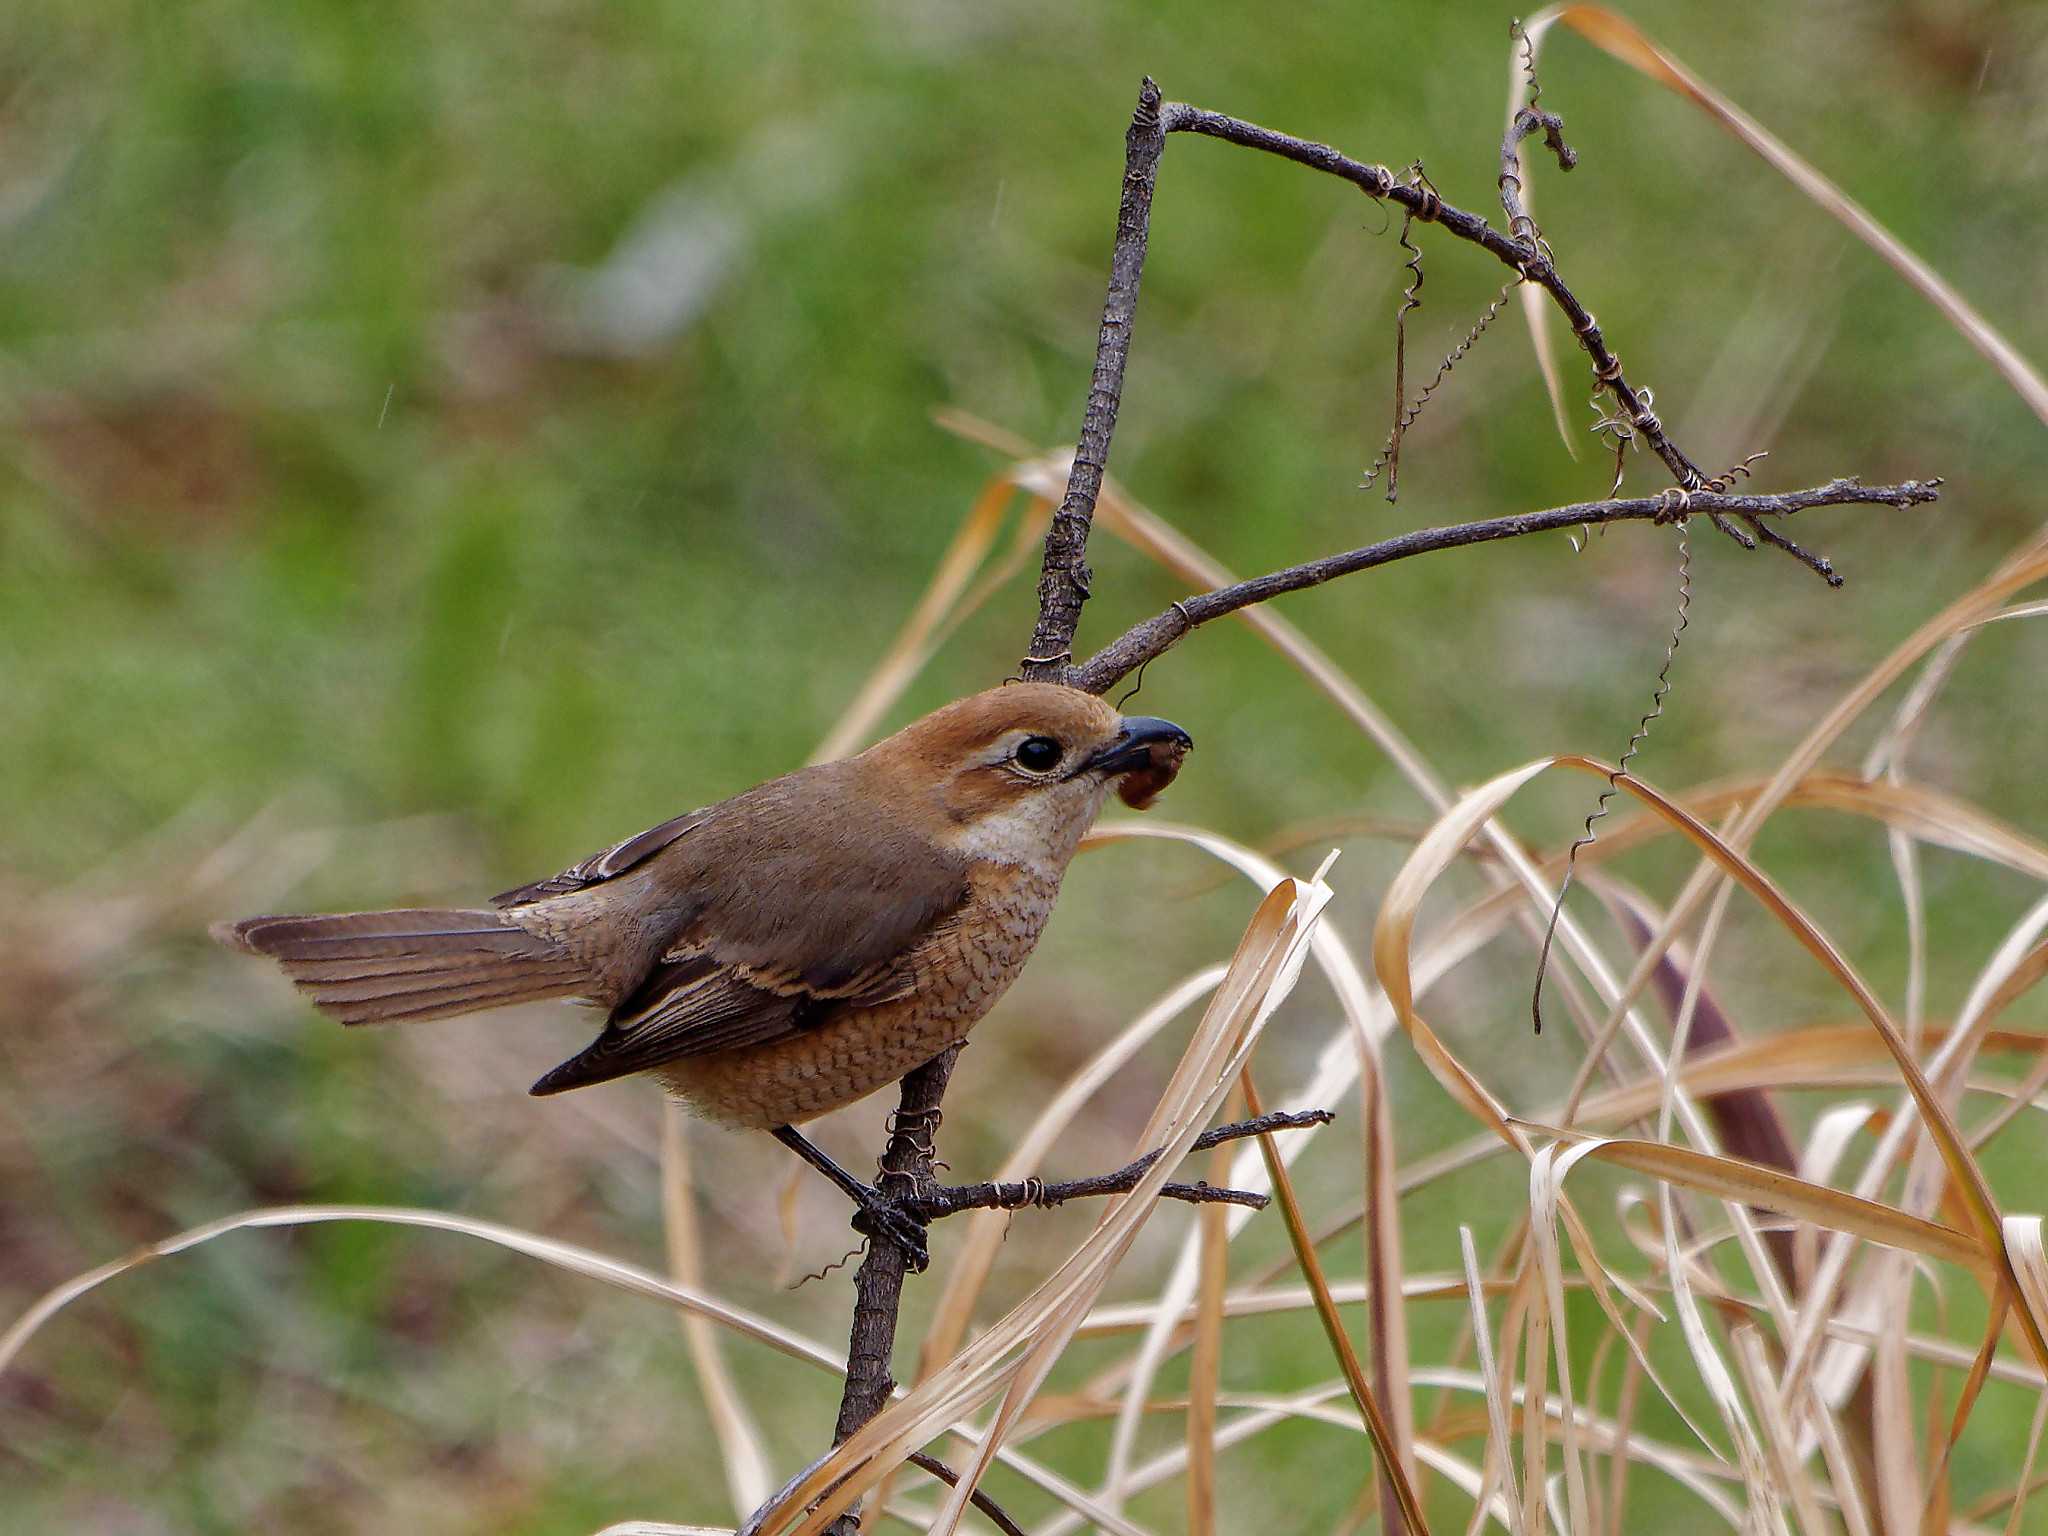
790, 950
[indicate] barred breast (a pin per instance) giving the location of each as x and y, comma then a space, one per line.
955, 976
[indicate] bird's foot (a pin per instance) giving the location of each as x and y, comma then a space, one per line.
876, 1216
882, 1219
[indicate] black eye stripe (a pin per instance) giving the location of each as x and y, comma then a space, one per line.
1037, 754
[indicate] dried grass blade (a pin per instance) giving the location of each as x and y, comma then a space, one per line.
1811, 1056
1823, 1153
1934, 1518
1927, 813
1393, 1473
1387, 1316
1535, 308
1780, 1443
581, 1261
1896, 1456
2019, 611
1764, 1506
2026, 1095
1499, 1446
2025, 1486
1535, 1388
1547, 1172
1393, 939
2030, 1265
1219, 1053
1746, 1183
1343, 1058
739, 1438
1624, 1423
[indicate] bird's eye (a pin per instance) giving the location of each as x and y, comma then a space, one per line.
1036, 754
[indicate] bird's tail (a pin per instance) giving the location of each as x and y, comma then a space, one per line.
417, 963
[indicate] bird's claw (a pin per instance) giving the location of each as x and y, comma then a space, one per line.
883, 1219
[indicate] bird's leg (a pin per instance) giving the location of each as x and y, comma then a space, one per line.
876, 1215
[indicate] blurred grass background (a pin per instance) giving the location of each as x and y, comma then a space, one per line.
437, 441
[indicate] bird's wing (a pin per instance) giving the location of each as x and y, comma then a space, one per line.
764, 957
691, 1005
615, 860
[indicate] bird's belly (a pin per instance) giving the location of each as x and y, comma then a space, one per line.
957, 979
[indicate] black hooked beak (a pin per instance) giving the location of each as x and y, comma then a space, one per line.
1136, 743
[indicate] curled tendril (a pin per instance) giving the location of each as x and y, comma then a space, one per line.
1721, 482
1411, 299
1521, 34
1623, 427
830, 1269
1635, 742
1443, 371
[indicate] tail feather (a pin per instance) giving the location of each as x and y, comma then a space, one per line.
409, 965
479, 979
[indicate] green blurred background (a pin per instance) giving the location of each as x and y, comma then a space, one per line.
436, 441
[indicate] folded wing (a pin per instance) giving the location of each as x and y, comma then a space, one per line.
691, 1005
775, 934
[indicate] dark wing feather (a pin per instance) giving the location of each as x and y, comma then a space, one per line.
762, 947
691, 1005
615, 860
687, 1006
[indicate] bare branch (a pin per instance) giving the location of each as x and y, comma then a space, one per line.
951, 1200
1161, 633
878, 1287
1063, 585
997, 1515
1063, 580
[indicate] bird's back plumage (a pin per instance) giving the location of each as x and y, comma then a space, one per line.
757, 946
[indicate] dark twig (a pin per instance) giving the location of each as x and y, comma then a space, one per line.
1521, 228
998, 1517
1063, 580
951, 1200
1159, 634
878, 1285
934, 1203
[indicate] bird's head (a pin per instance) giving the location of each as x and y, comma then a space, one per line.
1018, 773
